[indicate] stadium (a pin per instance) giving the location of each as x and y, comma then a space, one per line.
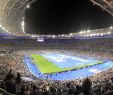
68, 64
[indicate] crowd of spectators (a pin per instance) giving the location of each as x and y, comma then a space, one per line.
15, 85
95, 85
13, 69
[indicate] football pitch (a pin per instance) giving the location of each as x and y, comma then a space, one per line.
53, 63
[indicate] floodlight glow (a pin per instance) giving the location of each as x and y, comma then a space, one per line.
88, 31
3, 28
111, 27
91, 35
23, 25
94, 34
97, 34
0, 25
63, 35
71, 34
101, 34
82, 32
53, 36
108, 32
28, 6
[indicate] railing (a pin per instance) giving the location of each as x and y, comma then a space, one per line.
5, 92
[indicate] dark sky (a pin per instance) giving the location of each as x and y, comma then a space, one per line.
65, 16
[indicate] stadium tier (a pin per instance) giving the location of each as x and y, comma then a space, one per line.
58, 61
73, 64
12, 14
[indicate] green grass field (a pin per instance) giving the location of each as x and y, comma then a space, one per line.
47, 67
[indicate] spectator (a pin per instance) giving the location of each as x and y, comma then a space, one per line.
10, 86
34, 92
9, 75
86, 86
18, 84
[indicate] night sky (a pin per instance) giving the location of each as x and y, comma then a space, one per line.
65, 16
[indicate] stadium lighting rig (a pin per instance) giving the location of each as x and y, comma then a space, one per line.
95, 33
111, 27
88, 31
23, 26
12, 13
28, 6
106, 5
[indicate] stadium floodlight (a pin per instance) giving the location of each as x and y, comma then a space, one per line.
91, 35
109, 32
0, 25
53, 36
63, 35
101, 34
9, 32
111, 27
23, 25
28, 6
97, 34
71, 34
87, 35
94, 34
88, 31
82, 32
3, 28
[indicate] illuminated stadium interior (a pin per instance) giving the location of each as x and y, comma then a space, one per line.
68, 64
12, 14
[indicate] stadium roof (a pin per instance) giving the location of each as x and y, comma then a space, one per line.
12, 13
106, 5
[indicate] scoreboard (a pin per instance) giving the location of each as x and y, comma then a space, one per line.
40, 39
